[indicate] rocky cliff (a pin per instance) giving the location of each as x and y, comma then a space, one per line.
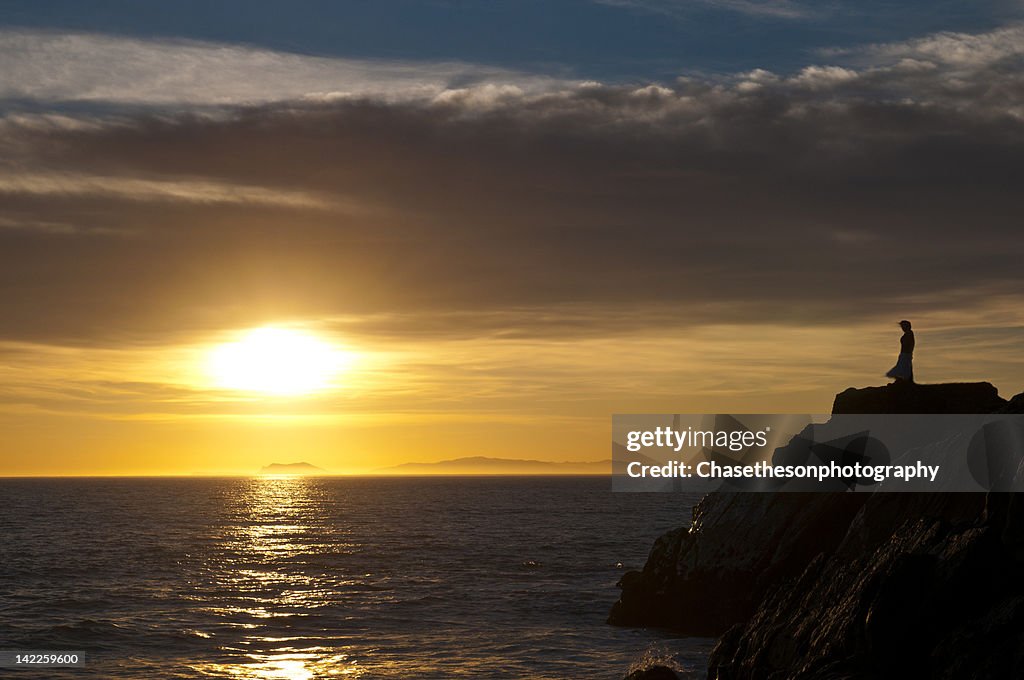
703, 579
830, 586
909, 398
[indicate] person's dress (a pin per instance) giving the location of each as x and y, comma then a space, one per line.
904, 368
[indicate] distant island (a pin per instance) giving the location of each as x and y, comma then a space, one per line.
291, 469
482, 465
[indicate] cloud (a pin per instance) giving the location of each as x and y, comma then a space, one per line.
774, 9
80, 67
838, 194
970, 50
130, 188
825, 76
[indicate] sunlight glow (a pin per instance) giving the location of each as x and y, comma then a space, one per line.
277, 361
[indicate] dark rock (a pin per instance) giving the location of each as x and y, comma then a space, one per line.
842, 586
1015, 405
704, 579
653, 673
987, 646
913, 398
906, 607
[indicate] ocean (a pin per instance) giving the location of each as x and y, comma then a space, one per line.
300, 578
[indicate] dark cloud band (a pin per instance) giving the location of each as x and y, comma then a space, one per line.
829, 195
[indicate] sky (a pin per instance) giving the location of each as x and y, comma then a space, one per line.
505, 220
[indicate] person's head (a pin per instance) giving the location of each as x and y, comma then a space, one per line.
905, 325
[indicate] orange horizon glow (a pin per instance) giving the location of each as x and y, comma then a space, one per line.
157, 411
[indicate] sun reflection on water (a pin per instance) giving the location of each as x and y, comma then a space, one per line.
269, 588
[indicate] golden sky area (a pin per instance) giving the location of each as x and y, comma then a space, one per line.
167, 410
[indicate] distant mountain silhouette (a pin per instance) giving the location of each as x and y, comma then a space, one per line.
291, 469
481, 465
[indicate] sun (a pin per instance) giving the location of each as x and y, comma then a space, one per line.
276, 361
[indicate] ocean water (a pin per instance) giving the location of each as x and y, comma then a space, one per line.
300, 578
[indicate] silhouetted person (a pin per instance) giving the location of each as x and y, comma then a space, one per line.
903, 371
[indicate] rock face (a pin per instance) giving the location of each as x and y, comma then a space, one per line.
832, 586
925, 586
706, 578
